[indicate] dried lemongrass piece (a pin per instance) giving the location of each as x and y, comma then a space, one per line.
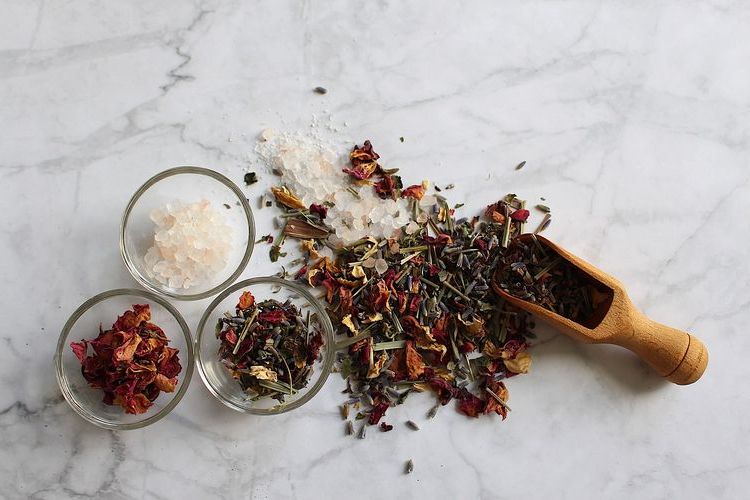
299, 228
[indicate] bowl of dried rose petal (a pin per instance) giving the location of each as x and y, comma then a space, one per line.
124, 359
264, 346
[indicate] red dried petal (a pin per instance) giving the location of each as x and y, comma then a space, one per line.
345, 298
132, 319
134, 404
126, 350
414, 304
386, 187
492, 405
401, 296
389, 277
520, 215
379, 296
385, 427
467, 347
169, 366
313, 347
416, 191
445, 390
377, 413
470, 405
165, 384
320, 210
274, 317
331, 285
481, 244
364, 154
440, 239
230, 336
414, 362
246, 300
79, 349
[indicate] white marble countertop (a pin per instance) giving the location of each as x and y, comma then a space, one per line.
633, 118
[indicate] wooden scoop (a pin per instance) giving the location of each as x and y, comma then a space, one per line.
674, 354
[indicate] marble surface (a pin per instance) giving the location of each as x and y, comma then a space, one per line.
633, 118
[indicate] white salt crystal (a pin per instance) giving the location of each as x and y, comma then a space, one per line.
191, 244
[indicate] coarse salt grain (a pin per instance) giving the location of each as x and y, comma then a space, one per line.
191, 244
312, 169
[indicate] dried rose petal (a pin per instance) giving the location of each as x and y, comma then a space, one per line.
377, 413
274, 317
379, 296
520, 215
320, 210
246, 300
165, 384
414, 362
470, 405
520, 364
126, 350
313, 348
79, 349
416, 191
131, 319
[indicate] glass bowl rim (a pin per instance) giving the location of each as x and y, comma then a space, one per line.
329, 346
187, 169
62, 379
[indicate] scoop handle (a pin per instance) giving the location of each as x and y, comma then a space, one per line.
676, 355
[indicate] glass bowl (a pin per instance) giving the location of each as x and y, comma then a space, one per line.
215, 375
103, 309
188, 185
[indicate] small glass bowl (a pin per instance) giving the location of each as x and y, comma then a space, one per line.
215, 375
103, 309
186, 184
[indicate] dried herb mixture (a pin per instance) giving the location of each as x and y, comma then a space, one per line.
268, 347
418, 308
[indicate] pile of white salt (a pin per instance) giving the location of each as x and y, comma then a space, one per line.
191, 244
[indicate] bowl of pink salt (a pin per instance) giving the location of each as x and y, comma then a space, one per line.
187, 233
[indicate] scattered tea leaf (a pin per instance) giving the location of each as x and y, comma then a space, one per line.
409, 466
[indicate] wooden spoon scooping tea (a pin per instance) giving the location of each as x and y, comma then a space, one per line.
674, 354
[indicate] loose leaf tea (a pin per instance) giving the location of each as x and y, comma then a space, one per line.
131, 362
537, 274
268, 347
